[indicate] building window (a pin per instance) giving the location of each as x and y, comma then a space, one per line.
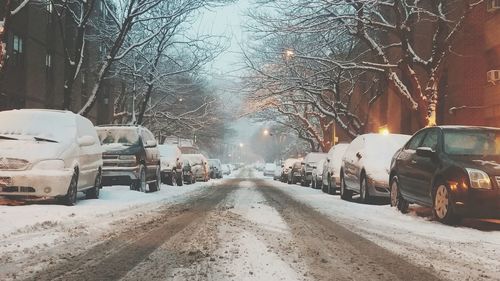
49, 7
17, 47
492, 5
48, 60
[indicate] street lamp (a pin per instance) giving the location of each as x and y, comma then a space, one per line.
289, 53
241, 145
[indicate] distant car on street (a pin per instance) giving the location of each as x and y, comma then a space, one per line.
49, 154
455, 170
331, 168
199, 166
269, 169
131, 157
317, 174
311, 160
215, 168
366, 163
294, 175
171, 164
286, 168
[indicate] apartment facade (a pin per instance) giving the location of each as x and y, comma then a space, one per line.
35, 69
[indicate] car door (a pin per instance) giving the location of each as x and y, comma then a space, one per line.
352, 163
405, 165
425, 167
90, 156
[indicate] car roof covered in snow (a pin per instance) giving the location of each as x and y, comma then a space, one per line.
314, 157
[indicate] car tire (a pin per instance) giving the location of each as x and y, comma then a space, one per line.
168, 180
179, 180
397, 199
156, 184
345, 194
364, 193
70, 198
442, 207
93, 193
331, 190
140, 184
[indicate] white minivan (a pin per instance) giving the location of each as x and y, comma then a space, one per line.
49, 154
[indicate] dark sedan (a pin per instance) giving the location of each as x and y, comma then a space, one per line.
453, 169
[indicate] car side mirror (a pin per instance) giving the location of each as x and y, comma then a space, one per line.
359, 155
290, 167
328, 160
425, 152
86, 141
150, 143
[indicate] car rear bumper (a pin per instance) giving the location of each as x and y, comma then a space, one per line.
35, 183
119, 175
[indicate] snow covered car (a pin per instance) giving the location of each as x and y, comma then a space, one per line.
49, 154
455, 170
171, 165
226, 169
131, 157
366, 163
269, 169
215, 167
311, 160
317, 175
294, 175
187, 173
277, 173
331, 168
199, 166
286, 168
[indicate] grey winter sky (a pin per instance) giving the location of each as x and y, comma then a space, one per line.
227, 21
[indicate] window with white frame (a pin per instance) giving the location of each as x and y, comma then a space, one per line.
48, 60
17, 46
492, 5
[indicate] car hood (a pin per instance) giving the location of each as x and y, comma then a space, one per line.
30, 150
488, 164
120, 149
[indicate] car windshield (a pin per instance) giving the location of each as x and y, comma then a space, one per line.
124, 136
472, 142
41, 126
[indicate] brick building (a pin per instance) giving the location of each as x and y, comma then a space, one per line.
34, 73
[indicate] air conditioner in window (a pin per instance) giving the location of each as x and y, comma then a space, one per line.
492, 5
493, 77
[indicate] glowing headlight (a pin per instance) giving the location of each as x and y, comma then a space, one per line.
55, 164
127, 157
479, 179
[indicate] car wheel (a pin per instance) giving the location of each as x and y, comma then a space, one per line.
397, 199
179, 180
363, 190
70, 198
155, 185
141, 182
331, 190
168, 180
443, 207
93, 193
344, 193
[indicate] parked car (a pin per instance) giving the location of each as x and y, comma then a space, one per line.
317, 174
188, 176
331, 168
269, 169
455, 170
226, 169
286, 168
366, 163
131, 157
199, 166
310, 161
215, 167
294, 175
171, 164
277, 173
49, 154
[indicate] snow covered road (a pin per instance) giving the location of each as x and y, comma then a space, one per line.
243, 228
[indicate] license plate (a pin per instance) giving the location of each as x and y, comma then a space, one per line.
5, 181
